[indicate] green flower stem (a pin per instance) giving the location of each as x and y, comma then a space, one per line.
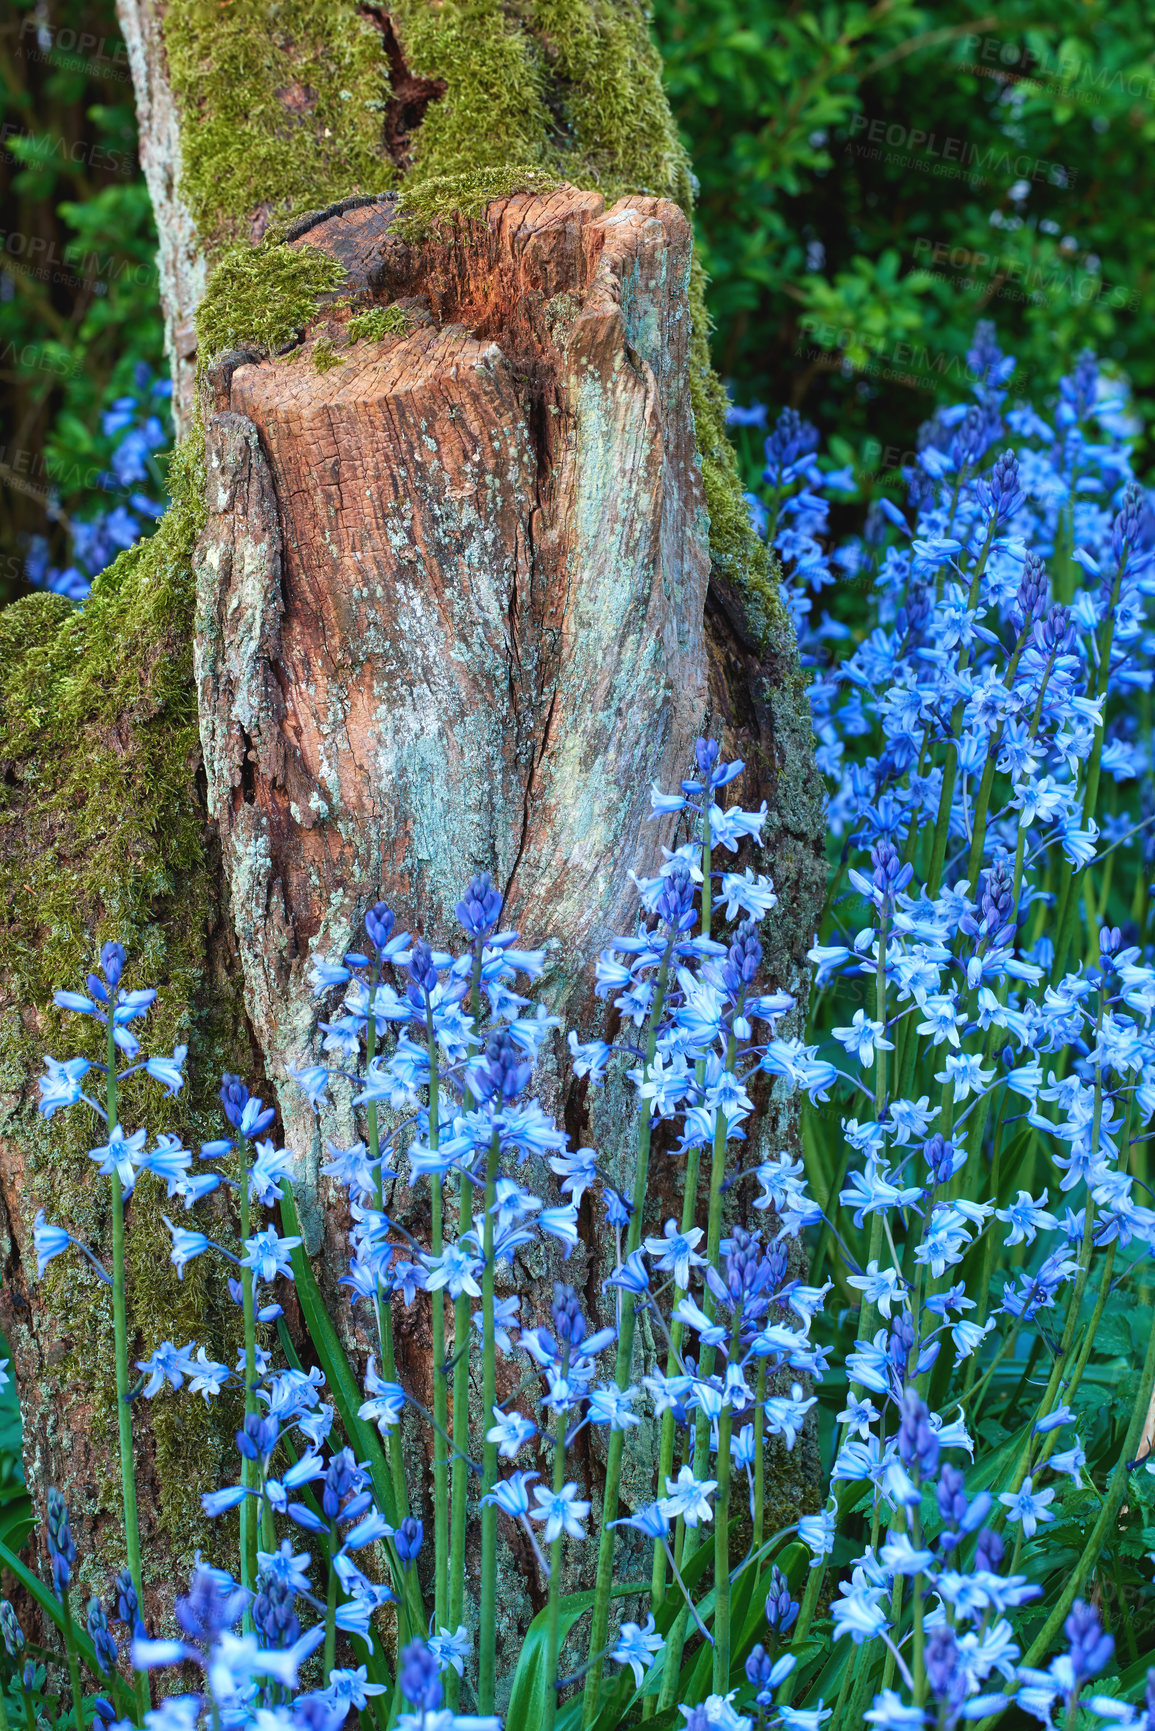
1070, 1388
1067, 898
267, 1528
1104, 1525
29, 1709
983, 797
459, 1482
553, 1626
863, 1672
1063, 1354
120, 1335
459, 1473
331, 1608
248, 1468
974, 1394
675, 1641
3, 1709
801, 1629
396, 1458
847, 1674
917, 1667
397, 1700
600, 1619
440, 1386
487, 1633
677, 1331
759, 1457
689, 1209
73, 1663
722, 1534
950, 767
881, 1054
895, 1613
384, 1310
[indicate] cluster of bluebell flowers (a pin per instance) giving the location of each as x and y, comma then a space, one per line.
139, 425
945, 1289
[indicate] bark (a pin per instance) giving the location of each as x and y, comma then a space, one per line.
454, 610
180, 255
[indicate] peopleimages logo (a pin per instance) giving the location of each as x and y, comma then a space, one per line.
81, 151
1016, 278
875, 355
40, 258
1064, 75
941, 153
52, 45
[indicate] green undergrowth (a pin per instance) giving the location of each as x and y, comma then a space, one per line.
102, 836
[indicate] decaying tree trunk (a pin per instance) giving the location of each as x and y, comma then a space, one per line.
464, 589
451, 595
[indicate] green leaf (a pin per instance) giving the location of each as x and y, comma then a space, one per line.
52, 1608
530, 1683
347, 1397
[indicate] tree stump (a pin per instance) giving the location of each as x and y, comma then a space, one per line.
450, 598
454, 611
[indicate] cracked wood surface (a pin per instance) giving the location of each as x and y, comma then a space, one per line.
451, 596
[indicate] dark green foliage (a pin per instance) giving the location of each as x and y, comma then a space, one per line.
821, 209
79, 296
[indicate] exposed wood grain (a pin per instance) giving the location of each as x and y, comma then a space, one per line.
451, 597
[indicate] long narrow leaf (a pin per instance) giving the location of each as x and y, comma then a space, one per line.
347, 1397
530, 1683
52, 1608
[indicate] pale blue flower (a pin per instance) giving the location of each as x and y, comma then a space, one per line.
121, 1154
676, 1252
511, 1494
1027, 1506
268, 1254
688, 1498
170, 1071
167, 1364
562, 1512
61, 1087
637, 1647
510, 1431
186, 1245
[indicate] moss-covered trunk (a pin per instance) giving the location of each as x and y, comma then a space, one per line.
458, 563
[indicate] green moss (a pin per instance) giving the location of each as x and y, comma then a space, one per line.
378, 323
324, 357
493, 113
425, 202
735, 551
281, 107
606, 89
263, 295
102, 836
